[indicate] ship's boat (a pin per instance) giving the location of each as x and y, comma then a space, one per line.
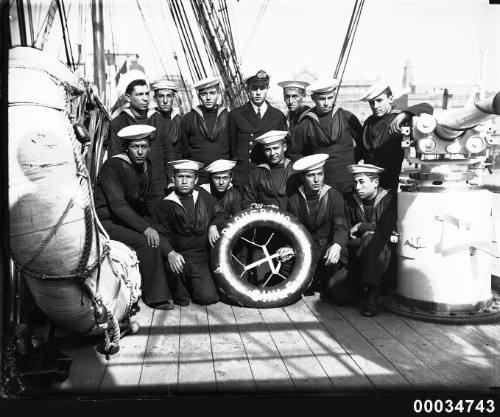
81, 279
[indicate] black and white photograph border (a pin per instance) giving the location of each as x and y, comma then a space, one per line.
66, 335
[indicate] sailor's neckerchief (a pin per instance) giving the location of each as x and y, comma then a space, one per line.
319, 211
202, 126
198, 228
283, 180
381, 193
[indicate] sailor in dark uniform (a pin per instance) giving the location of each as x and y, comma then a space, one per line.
121, 199
221, 187
167, 122
272, 182
133, 86
380, 143
293, 95
248, 122
320, 208
204, 134
327, 129
371, 214
187, 217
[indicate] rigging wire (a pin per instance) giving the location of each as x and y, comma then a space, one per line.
30, 20
348, 42
191, 39
151, 36
64, 27
253, 31
195, 75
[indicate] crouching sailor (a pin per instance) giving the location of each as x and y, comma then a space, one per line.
320, 208
122, 196
371, 214
220, 185
187, 216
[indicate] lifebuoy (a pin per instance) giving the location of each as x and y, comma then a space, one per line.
235, 285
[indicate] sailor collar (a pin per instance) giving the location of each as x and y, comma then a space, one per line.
322, 192
200, 112
266, 166
380, 195
175, 198
148, 115
311, 114
207, 188
175, 112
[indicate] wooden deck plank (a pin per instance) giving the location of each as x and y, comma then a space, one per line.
196, 368
453, 374
232, 369
415, 371
160, 370
304, 368
373, 364
269, 371
470, 355
86, 371
124, 368
345, 374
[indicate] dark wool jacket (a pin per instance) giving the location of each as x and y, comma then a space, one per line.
260, 188
293, 118
329, 226
122, 193
383, 217
198, 144
379, 148
169, 219
124, 119
308, 138
244, 128
229, 203
165, 147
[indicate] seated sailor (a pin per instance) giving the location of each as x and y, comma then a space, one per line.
187, 216
122, 196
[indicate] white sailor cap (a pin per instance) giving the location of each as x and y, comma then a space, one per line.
364, 169
206, 82
136, 132
324, 86
163, 83
271, 137
221, 165
310, 162
375, 90
127, 78
294, 86
185, 165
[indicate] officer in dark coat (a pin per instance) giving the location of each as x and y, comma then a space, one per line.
272, 182
320, 208
133, 86
187, 216
221, 187
327, 129
380, 143
371, 213
293, 95
204, 130
167, 122
248, 122
121, 198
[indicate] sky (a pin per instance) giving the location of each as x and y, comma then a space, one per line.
442, 38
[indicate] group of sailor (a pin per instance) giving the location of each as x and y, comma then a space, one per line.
170, 184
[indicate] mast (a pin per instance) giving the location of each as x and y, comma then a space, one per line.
98, 36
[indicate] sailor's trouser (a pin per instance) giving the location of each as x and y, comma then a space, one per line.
195, 282
155, 288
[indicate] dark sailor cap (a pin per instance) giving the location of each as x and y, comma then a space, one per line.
261, 78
